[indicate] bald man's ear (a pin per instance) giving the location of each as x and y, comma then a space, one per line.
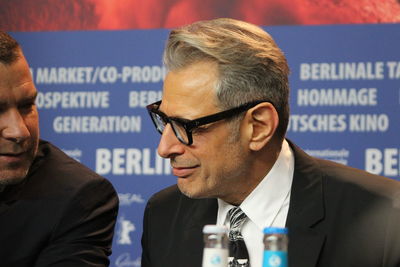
263, 120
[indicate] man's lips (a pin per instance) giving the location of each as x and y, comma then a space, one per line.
12, 157
183, 171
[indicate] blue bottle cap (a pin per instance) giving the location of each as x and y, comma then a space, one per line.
275, 230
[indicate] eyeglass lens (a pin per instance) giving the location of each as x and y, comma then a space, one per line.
159, 122
178, 129
180, 132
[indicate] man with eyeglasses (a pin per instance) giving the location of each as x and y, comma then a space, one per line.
223, 119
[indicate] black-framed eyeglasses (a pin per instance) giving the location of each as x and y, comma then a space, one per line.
183, 128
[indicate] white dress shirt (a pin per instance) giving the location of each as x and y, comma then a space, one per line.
267, 205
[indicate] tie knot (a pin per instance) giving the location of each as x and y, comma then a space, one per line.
236, 219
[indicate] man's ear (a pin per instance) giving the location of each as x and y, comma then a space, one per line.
262, 123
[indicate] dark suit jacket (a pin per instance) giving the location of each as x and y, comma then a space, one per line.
63, 214
338, 217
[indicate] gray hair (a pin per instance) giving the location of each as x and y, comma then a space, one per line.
251, 66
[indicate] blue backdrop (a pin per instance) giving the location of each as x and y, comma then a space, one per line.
94, 86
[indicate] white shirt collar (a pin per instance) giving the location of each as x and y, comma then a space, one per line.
266, 200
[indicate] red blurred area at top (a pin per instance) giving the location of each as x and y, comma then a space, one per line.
45, 15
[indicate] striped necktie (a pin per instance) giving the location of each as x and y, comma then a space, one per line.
238, 255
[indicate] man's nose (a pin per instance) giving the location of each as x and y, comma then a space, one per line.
169, 145
14, 126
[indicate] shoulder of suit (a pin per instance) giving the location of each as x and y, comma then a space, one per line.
53, 167
169, 193
358, 181
341, 178
171, 196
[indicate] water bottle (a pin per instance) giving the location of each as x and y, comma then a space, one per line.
275, 247
215, 252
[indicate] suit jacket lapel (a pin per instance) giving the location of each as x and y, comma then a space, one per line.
204, 211
306, 212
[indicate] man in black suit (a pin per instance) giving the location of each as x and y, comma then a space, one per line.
223, 119
53, 210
